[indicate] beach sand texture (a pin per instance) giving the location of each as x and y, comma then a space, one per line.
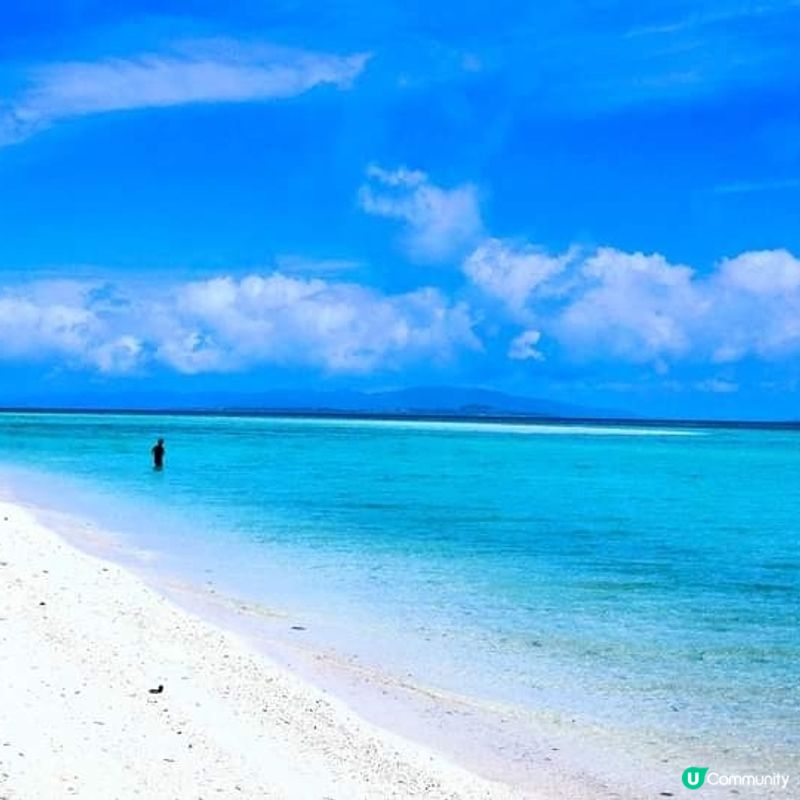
83, 641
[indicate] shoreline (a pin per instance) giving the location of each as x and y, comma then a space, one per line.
85, 640
109, 598
525, 755
536, 755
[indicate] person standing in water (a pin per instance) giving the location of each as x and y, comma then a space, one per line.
158, 454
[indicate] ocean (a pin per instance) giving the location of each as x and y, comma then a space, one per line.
640, 582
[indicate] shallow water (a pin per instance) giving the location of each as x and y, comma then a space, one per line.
643, 579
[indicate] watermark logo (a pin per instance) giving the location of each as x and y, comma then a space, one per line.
694, 777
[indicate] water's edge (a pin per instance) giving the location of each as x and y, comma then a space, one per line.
524, 750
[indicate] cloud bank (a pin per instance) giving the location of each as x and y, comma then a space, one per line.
223, 324
605, 306
609, 305
515, 301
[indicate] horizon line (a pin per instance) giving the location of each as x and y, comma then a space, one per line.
418, 414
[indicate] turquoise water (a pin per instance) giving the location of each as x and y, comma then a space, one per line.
631, 578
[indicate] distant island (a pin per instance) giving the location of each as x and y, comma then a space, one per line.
422, 401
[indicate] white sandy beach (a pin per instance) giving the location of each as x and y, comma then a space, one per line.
82, 642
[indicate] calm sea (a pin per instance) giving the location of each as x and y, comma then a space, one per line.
630, 578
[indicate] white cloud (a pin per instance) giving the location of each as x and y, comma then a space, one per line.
604, 304
631, 306
120, 355
523, 347
35, 323
762, 272
638, 308
335, 326
513, 273
439, 223
756, 298
214, 71
223, 324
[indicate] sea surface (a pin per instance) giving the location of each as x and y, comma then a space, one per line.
634, 579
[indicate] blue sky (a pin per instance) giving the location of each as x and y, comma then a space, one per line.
596, 202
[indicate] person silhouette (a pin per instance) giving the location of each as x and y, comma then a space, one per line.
158, 454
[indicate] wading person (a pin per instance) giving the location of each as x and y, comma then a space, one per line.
158, 454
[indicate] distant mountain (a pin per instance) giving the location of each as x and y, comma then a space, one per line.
419, 401
470, 402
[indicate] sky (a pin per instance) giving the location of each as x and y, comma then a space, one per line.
591, 202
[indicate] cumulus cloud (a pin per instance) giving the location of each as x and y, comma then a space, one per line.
523, 347
631, 306
223, 324
765, 272
45, 321
600, 304
603, 305
639, 308
214, 71
514, 273
756, 306
439, 223
336, 326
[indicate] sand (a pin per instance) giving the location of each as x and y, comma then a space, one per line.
82, 643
